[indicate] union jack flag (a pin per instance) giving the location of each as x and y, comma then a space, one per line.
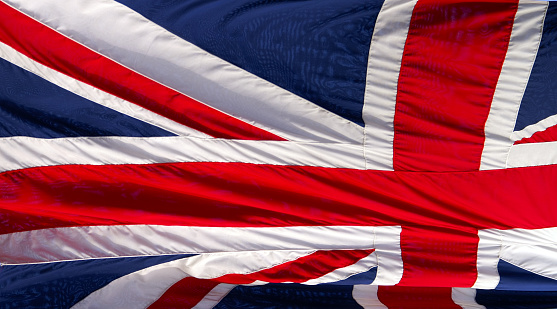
278, 154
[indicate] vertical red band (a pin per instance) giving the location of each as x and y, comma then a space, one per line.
396, 297
451, 63
434, 257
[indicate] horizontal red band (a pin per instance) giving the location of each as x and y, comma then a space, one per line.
439, 212
241, 195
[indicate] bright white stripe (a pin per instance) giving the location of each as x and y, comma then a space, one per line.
144, 287
532, 250
523, 48
257, 282
361, 266
466, 298
366, 296
534, 154
125, 36
214, 265
215, 296
533, 128
26, 152
93, 94
389, 255
136, 290
385, 57
88, 242
489, 248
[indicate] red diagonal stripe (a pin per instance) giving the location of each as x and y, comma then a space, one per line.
185, 294
58, 52
451, 63
547, 135
303, 269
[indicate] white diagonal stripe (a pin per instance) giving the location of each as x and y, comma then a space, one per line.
215, 296
130, 39
93, 94
533, 128
137, 290
534, 250
149, 284
535, 154
361, 266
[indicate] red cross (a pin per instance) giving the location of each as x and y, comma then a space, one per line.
454, 54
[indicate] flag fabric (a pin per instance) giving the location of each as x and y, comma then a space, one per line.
278, 154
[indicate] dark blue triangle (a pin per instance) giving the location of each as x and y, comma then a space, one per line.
32, 106
290, 296
518, 279
362, 278
519, 288
498, 299
540, 97
317, 49
63, 284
